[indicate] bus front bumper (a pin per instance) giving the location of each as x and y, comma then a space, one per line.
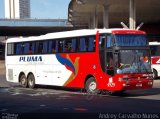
136, 84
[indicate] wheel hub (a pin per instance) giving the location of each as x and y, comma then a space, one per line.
92, 86
23, 81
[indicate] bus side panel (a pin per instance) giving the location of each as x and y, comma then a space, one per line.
85, 64
156, 64
51, 71
14, 67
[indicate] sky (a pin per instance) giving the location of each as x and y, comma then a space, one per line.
45, 9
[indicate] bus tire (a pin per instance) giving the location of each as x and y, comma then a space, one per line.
23, 81
91, 86
31, 81
155, 75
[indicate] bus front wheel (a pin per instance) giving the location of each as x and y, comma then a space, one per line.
23, 81
31, 81
91, 86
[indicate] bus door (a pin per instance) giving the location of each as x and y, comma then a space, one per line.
110, 64
106, 54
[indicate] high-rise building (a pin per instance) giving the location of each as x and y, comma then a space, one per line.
17, 9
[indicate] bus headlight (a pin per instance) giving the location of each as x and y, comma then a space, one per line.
120, 79
124, 78
125, 85
150, 78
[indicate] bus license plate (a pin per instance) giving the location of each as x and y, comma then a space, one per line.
139, 85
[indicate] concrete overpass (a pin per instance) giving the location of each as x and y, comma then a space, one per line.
109, 13
28, 27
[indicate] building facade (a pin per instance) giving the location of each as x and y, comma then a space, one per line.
17, 9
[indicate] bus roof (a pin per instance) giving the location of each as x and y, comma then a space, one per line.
154, 43
75, 33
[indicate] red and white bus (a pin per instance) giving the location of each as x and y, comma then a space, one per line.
99, 59
155, 55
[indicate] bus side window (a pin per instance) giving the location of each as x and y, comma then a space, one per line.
67, 45
73, 46
45, 46
32, 46
64, 46
52, 46
56, 48
82, 44
109, 41
60, 46
91, 44
155, 50
39, 47
26, 48
18, 48
102, 41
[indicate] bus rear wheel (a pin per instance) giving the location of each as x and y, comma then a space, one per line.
91, 86
31, 81
23, 81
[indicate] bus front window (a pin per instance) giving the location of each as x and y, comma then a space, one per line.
130, 40
133, 61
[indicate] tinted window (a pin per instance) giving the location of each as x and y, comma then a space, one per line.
52, 46
102, 41
26, 48
45, 46
130, 40
105, 41
83, 44
87, 44
155, 50
91, 44
67, 45
41, 47
74, 44
59, 46
109, 41
18, 48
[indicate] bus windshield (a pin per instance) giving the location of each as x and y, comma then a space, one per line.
130, 40
133, 61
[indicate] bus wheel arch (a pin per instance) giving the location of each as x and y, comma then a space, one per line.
23, 80
91, 84
31, 80
155, 73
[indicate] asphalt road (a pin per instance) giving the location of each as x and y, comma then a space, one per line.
55, 102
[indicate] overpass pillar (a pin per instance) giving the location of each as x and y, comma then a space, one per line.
93, 22
105, 17
90, 22
95, 19
132, 14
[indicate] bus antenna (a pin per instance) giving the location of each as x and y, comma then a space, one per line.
140, 26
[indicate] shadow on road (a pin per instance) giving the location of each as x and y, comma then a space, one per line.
13, 87
137, 93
